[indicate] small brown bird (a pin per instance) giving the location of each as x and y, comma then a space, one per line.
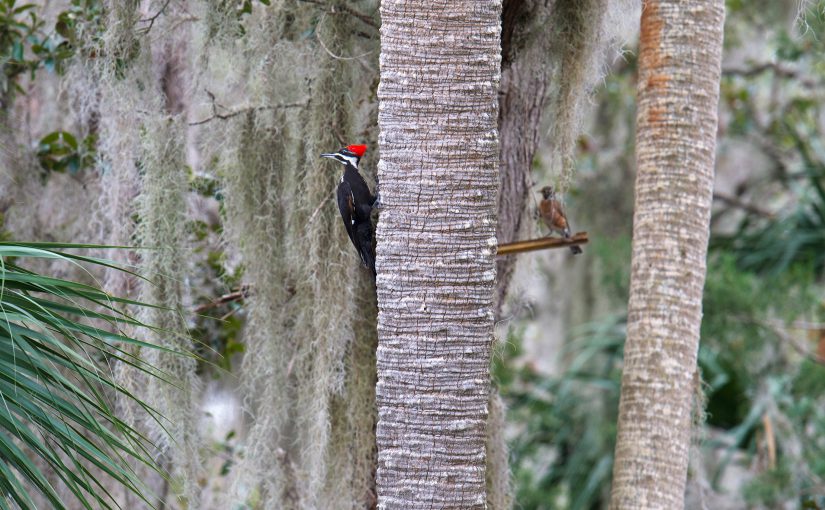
553, 216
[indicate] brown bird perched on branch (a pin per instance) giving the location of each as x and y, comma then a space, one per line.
552, 213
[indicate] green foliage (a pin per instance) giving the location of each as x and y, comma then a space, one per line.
59, 151
219, 328
25, 46
790, 132
764, 488
18, 23
614, 258
246, 5
765, 276
562, 455
80, 13
796, 237
58, 339
563, 449
227, 16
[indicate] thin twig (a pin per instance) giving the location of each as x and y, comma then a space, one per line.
317, 209
152, 19
329, 52
778, 330
235, 113
343, 8
740, 204
352, 12
810, 326
770, 440
237, 295
784, 72
228, 314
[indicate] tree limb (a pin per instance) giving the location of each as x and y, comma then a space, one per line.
237, 295
543, 243
734, 201
779, 330
333, 8
235, 113
784, 72
151, 20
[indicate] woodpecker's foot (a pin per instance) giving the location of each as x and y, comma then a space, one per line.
378, 204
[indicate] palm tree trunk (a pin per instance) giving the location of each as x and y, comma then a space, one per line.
440, 69
679, 70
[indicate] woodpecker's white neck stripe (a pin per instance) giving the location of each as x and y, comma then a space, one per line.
352, 160
344, 158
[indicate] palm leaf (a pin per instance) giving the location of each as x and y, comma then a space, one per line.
57, 339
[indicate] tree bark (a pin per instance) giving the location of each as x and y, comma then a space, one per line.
679, 71
525, 76
440, 70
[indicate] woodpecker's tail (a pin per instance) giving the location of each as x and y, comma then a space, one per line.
365, 245
369, 261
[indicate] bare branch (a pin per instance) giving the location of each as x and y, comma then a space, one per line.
238, 295
770, 440
779, 330
235, 113
784, 72
318, 209
151, 20
345, 9
329, 52
543, 243
740, 204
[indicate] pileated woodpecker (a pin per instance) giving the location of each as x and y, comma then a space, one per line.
553, 216
355, 202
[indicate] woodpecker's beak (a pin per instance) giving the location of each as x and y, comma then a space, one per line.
330, 155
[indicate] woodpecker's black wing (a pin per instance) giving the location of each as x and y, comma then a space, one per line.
356, 218
346, 205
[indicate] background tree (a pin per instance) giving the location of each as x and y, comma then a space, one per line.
679, 71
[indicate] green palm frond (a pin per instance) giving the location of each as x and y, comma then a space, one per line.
58, 342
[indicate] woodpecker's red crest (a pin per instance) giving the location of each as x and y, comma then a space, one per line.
351, 154
358, 150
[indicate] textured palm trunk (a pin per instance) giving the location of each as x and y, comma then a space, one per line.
679, 69
436, 249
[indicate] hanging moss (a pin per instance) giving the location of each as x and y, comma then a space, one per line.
499, 484
254, 187
117, 87
352, 454
310, 373
162, 212
585, 34
97, 85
